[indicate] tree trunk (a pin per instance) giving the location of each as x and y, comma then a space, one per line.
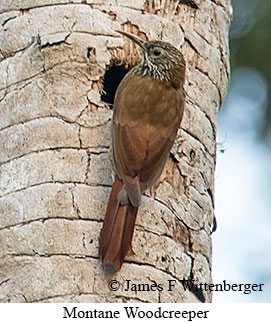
55, 142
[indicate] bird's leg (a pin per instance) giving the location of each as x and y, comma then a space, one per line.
123, 196
130, 193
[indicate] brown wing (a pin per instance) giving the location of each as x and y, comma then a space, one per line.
159, 148
147, 114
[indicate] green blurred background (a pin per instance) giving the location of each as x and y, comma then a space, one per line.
250, 44
242, 242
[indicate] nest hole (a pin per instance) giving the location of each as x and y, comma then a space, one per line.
112, 78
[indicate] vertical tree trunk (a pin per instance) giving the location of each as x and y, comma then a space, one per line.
54, 149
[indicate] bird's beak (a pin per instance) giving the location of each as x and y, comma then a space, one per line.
139, 41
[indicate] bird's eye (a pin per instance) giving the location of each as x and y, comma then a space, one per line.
157, 52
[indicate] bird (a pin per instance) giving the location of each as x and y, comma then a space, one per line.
147, 112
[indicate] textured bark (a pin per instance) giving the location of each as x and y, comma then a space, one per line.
55, 141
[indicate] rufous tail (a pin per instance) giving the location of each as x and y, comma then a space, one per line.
117, 231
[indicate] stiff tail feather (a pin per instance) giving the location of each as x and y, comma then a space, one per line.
117, 231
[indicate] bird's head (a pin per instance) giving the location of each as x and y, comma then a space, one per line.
160, 60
